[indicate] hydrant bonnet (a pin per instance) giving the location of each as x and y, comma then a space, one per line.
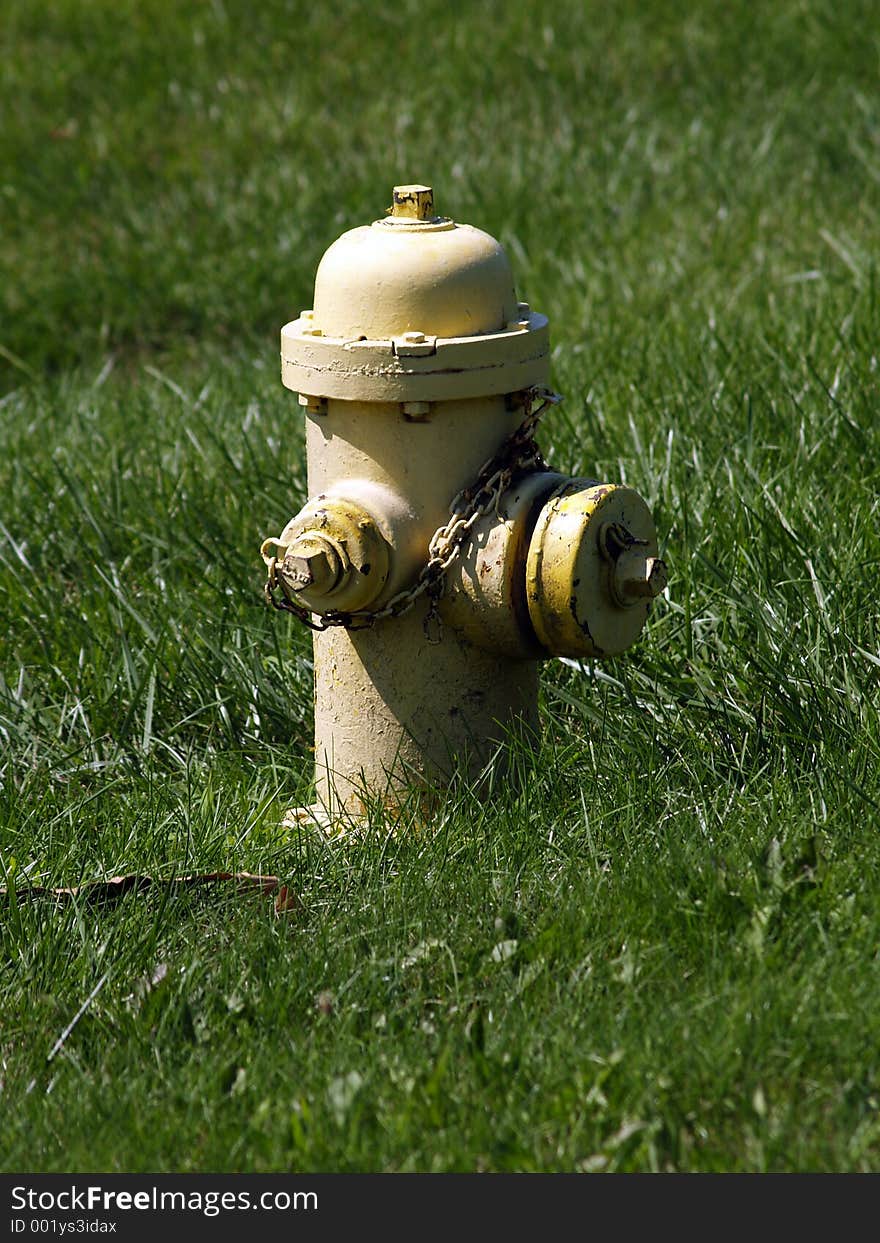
388, 278
414, 308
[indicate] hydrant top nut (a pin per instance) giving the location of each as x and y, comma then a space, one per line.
413, 203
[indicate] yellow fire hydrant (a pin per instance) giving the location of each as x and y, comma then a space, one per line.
438, 559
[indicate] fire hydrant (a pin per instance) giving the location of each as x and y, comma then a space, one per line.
438, 559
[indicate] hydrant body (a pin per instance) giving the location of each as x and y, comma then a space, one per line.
418, 371
393, 709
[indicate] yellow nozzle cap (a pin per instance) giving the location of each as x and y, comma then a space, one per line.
592, 570
335, 557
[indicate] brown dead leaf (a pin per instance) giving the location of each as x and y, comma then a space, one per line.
107, 891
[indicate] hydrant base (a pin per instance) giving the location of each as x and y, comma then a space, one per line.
324, 824
385, 733
339, 824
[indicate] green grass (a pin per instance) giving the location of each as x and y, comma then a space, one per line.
663, 953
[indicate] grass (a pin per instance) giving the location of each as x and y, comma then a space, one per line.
663, 953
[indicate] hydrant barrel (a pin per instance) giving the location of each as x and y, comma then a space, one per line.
418, 371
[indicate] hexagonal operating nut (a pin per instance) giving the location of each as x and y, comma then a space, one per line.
639, 578
634, 575
310, 562
412, 202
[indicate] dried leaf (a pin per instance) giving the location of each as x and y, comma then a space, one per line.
105, 891
285, 900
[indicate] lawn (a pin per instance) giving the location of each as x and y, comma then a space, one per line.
662, 952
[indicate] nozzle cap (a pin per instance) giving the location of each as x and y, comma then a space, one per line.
592, 570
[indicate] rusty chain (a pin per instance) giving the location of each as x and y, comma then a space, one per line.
518, 453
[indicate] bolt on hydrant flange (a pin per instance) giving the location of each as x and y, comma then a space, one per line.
439, 559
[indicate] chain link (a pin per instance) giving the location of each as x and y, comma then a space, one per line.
518, 453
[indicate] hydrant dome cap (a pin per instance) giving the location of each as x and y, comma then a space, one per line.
433, 277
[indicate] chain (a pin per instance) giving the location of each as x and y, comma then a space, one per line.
518, 453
